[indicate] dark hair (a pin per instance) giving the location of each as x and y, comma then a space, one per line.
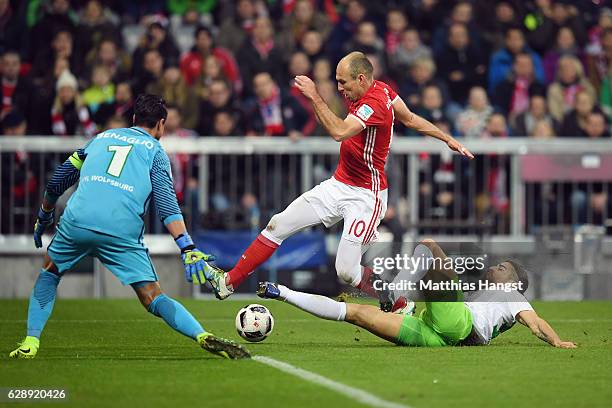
521, 274
148, 110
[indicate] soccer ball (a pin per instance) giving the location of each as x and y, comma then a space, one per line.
254, 322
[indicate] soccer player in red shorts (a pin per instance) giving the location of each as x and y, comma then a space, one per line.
357, 193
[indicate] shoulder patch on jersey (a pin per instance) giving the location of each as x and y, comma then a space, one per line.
364, 112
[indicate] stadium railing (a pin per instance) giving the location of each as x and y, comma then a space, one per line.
514, 187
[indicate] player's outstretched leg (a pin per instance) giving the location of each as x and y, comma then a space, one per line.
383, 325
298, 215
42, 300
179, 318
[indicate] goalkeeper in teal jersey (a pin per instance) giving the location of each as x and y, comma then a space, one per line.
119, 172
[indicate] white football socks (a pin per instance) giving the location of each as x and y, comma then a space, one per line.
317, 305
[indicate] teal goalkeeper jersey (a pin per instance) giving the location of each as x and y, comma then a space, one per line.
123, 169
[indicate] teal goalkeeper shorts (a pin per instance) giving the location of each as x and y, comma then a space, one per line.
129, 261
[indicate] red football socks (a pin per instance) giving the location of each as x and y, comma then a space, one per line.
257, 253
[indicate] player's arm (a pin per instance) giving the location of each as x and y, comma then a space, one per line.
413, 121
63, 178
337, 128
541, 329
170, 214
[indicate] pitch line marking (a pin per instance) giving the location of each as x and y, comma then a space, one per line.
353, 393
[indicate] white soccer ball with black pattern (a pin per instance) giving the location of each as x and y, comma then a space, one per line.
254, 322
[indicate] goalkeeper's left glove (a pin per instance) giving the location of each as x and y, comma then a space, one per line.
43, 220
194, 260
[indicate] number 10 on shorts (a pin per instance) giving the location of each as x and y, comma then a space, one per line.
357, 228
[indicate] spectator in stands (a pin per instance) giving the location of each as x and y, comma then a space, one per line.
157, 38
220, 99
542, 129
115, 60
421, 75
172, 87
190, 12
181, 163
497, 127
596, 32
379, 71
234, 31
525, 123
366, 40
322, 71
511, 96
550, 18
151, 71
57, 17
605, 95
570, 81
192, 63
211, 70
407, 52
136, 11
101, 92
225, 124
431, 106
461, 64
598, 61
69, 115
396, 26
95, 24
61, 48
343, 31
273, 112
302, 19
575, 121
115, 122
507, 14
17, 91
472, 121
312, 45
462, 13
597, 126
44, 96
566, 45
122, 106
300, 65
261, 53
14, 34
502, 61
13, 123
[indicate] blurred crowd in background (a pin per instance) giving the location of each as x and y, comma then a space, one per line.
477, 69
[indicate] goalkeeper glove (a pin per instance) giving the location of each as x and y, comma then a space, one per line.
43, 220
194, 260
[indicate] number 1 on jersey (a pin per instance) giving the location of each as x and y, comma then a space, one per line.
120, 155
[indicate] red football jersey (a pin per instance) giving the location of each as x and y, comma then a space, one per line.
363, 156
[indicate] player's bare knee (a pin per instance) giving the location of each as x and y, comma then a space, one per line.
147, 292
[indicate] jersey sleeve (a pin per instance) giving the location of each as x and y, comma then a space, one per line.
65, 175
517, 303
369, 112
164, 195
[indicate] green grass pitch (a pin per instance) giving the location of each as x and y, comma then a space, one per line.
113, 352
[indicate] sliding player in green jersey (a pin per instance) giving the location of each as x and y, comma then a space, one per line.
476, 321
119, 172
